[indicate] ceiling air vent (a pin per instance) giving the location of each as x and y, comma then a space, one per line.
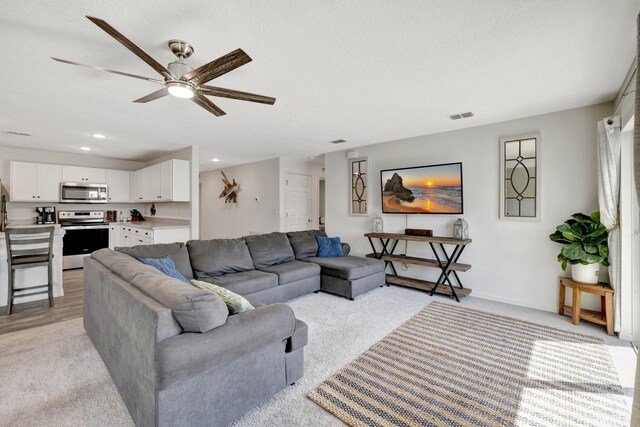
15, 133
461, 116
339, 141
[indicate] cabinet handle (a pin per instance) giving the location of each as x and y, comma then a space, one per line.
158, 197
136, 231
38, 197
33, 197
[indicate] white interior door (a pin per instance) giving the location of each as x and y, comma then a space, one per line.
298, 202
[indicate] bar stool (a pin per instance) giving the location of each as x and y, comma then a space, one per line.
26, 248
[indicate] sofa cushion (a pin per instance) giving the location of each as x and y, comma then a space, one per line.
165, 265
304, 243
194, 309
247, 282
177, 251
329, 247
293, 271
269, 249
210, 258
235, 303
348, 267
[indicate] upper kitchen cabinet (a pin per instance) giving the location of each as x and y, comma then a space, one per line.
175, 182
118, 186
82, 174
140, 185
34, 182
168, 181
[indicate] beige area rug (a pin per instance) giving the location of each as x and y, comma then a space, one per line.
454, 366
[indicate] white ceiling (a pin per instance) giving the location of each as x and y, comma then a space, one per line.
366, 71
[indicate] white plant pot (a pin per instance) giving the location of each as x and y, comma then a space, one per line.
585, 273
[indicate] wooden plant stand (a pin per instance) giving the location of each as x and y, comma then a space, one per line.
446, 262
602, 317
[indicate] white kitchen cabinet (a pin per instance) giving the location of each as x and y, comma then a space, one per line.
155, 188
175, 182
34, 182
118, 186
168, 181
114, 235
140, 185
83, 174
132, 235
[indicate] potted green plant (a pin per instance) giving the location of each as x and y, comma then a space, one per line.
585, 246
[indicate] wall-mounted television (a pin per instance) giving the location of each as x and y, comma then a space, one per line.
433, 189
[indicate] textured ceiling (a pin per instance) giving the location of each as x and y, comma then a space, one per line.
366, 71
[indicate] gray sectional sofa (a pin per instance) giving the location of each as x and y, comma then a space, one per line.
174, 352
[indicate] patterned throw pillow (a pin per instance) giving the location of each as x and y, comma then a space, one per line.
235, 303
329, 247
166, 265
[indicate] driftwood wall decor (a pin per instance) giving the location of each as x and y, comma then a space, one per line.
230, 191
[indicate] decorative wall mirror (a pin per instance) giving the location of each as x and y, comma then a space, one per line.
519, 177
358, 171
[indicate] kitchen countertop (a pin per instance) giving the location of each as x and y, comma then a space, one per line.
25, 224
156, 223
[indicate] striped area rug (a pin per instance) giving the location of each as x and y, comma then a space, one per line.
454, 366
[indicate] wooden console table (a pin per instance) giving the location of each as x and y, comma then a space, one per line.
447, 263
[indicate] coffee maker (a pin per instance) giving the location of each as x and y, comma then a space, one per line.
46, 215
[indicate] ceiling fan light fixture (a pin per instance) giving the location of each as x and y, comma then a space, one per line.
180, 90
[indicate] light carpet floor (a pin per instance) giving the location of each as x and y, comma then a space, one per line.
52, 375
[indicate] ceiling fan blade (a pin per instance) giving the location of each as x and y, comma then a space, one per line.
235, 94
217, 67
207, 105
133, 48
155, 95
108, 71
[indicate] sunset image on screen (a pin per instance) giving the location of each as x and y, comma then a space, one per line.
428, 189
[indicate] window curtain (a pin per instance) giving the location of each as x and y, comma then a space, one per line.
635, 413
608, 199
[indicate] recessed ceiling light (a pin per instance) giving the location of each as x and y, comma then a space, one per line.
99, 136
215, 160
85, 148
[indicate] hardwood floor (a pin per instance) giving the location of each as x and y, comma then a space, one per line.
37, 313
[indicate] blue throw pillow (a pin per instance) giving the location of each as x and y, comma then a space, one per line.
166, 265
329, 247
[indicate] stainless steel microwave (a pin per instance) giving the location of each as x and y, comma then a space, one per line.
83, 192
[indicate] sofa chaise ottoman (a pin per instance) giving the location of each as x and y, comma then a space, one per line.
347, 276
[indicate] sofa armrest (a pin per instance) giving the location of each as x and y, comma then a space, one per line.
188, 354
345, 249
299, 338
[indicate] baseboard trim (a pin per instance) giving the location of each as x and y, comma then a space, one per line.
490, 297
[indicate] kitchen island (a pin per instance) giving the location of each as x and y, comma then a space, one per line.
31, 276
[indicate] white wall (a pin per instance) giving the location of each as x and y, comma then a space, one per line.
256, 180
26, 210
512, 261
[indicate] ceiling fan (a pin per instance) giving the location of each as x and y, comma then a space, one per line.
178, 78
